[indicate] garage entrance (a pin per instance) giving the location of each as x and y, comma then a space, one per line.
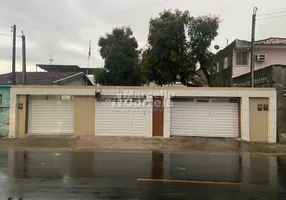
121, 117
205, 117
51, 115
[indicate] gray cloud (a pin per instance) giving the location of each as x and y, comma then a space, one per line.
57, 27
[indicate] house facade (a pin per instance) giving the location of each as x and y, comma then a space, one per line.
235, 59
244, 113
271, 76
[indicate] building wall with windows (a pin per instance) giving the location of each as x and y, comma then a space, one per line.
242, 58
235, 59
224, 63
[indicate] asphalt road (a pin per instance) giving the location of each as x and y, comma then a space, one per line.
140, 175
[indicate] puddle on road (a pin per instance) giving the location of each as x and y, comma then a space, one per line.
20, 169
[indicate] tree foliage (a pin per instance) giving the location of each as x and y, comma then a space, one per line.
178, 44
119, 50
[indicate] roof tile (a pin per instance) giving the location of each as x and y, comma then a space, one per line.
272, 41
36, 78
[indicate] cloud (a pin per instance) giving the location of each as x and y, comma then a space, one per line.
64, 28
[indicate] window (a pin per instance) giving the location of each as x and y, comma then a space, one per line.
225, 62
241, 58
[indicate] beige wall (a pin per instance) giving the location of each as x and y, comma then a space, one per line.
85, 104
274, 55
258, 120
22, 115
79, 81
84, 115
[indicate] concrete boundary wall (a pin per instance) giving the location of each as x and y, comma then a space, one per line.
243, 94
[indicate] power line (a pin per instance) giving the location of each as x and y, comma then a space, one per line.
273, 13
272, 17
98, 18
4, 34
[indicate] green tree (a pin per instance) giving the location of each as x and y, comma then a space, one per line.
166, 56
119, 50
178, 44
201, 32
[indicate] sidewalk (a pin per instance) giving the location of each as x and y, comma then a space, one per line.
188, 144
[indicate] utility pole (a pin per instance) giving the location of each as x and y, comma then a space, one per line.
253, 46
13, 81
24, 59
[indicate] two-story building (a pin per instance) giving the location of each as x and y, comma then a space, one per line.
235, 59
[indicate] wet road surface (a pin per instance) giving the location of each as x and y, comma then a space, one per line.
140, 175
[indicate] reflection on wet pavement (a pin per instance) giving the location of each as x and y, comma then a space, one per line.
113, 175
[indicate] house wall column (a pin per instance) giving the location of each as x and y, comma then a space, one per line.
149, 116
167, 116
244, 110
272, 137
22, 115
84, 115
13, 115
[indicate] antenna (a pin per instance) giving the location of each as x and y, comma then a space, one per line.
226, 41
51, 59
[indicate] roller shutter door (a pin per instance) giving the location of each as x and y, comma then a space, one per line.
49, 115
183, 117
216, 117
117, 119
224, 118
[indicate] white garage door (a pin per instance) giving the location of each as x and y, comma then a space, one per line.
116, 119
214, 117
183, 117
49, 115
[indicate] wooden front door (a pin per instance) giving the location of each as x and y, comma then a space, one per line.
158, 116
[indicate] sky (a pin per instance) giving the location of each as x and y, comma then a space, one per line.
64, 28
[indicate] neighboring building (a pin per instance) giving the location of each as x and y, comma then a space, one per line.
4, 109
144, 111
235, 59
48, 78
271, 76
69, 68
66, 68
34, 78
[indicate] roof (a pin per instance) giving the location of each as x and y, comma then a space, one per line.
272, 41
41, 78
66, 68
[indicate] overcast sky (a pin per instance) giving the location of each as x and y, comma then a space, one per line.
64, 27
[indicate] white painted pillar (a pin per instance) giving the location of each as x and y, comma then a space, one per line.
167, 116
272, 137
244, 109
149, 116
